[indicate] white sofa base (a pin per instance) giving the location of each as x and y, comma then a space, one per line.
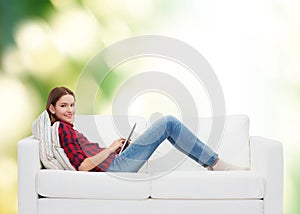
149, 206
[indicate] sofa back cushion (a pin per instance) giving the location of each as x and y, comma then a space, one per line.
232, 147
104, 129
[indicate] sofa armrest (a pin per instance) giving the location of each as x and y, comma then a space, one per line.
267, 160
28, 165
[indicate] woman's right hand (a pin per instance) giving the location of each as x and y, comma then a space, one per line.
91, 162
117, 145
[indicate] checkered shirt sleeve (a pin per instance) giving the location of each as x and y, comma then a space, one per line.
77, 147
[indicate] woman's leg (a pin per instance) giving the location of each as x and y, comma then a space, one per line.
134, 157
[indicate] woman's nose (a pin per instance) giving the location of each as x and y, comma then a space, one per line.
70, 108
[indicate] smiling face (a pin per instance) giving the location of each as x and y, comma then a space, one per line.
64, 108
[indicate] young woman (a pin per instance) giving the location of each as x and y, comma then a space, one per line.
87, 156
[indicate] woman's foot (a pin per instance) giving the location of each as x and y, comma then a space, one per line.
220, 165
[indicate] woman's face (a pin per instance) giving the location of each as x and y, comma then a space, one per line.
64, 108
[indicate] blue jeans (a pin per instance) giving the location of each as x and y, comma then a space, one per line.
134, 157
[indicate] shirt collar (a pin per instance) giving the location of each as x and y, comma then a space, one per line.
70, 124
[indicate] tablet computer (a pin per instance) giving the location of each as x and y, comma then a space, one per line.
126, 143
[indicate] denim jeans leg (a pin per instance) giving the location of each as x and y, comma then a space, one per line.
134, 157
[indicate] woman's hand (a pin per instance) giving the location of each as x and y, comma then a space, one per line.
91, 162
117, 145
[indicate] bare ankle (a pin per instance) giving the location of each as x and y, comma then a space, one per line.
215, 163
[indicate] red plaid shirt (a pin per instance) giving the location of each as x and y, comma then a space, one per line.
77, 147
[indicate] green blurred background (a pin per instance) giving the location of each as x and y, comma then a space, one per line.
253, 47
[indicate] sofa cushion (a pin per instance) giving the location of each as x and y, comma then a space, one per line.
104, 129
209, 185
92, 185
233, 146
51, 154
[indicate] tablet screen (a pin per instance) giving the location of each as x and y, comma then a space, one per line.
126, 144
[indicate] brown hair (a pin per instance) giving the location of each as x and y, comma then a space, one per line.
54, 95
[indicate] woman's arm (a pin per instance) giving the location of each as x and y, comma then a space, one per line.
93, 161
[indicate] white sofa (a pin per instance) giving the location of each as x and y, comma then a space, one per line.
168, 183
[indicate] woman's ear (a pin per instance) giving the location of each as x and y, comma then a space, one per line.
52, 109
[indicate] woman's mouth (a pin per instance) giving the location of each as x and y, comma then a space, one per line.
69, 115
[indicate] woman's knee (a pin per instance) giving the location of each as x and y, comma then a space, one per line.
171, 119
